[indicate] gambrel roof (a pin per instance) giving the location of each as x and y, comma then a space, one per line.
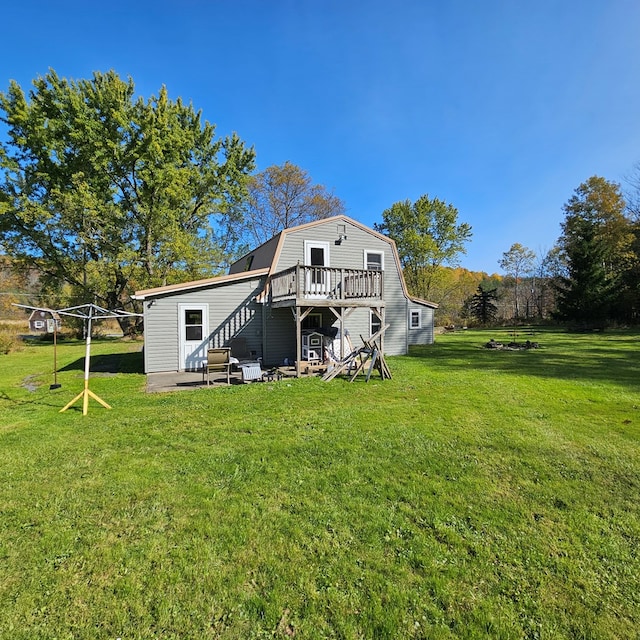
263, 261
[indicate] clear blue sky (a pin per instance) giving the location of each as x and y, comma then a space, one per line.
501, 108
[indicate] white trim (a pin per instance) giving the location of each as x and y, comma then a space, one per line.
192, 353
316, 244
418, 313
321, 288
365, 259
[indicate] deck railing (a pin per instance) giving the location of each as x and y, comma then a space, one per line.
302, 281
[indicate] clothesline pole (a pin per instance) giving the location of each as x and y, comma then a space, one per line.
86, 392
88, 312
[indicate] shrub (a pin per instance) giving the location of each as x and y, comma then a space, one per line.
10, 340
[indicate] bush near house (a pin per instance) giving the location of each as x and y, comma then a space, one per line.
479, 493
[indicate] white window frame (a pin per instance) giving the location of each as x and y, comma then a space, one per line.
192, 353
319, 288
365, 258
415, 313
374, 318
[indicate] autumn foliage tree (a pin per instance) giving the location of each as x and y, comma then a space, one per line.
280, 197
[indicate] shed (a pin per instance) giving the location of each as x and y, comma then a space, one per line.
41, 321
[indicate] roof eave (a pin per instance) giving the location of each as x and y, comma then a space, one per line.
198, 284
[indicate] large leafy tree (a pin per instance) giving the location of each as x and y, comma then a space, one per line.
428, 235
108, 192
597, 247
280, 197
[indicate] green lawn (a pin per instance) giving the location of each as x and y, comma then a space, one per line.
477, 494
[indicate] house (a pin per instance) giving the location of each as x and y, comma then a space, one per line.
41, 321
335, 277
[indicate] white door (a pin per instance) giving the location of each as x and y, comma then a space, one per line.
194, 335
316, 256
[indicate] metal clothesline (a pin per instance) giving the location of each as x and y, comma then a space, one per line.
87, 312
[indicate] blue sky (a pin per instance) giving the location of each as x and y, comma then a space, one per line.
501, 108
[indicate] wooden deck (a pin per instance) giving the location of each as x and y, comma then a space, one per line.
326, 287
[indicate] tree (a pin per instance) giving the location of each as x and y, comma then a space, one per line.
451, 287
109, 193
482, 305
427, 235
281, 197
517, 262
597, 246
549, 268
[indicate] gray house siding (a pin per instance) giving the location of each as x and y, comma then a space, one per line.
280, 336
232, 312
424, 334
270, 332
350, 253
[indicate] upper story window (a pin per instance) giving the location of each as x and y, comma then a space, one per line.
374, 260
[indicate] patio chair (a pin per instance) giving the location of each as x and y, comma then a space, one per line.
218, 360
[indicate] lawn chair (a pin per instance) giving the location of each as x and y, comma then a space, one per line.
218, 360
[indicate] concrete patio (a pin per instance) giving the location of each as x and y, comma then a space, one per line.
189, 380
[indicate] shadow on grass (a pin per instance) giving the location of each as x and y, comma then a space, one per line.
564, 356
21, 402
131, 362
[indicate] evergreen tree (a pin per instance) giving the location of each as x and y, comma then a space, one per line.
585, 294
482, 305
597, 249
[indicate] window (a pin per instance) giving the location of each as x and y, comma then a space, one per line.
415, 319
193, 324
374, 260
375, 324
248, 263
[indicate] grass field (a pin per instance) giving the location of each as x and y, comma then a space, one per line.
478, 494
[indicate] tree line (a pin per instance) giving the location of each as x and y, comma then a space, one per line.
590, 278
103, 192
